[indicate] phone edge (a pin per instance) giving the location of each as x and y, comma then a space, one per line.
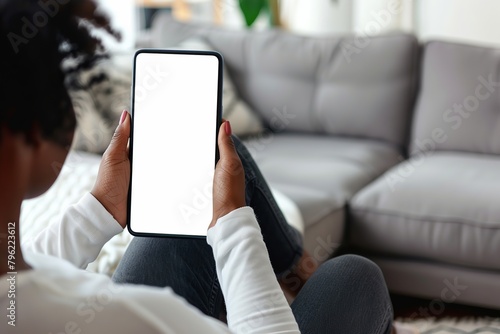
220, 59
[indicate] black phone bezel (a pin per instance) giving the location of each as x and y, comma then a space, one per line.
131, 142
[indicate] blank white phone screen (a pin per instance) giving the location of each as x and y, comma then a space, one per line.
174, 143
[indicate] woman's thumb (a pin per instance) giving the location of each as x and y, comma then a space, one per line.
122, 133
229, 159
227, 149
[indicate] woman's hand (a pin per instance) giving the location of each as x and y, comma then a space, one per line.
229, 178
112, 184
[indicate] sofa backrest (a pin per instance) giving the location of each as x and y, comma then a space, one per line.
359, 87
458, 107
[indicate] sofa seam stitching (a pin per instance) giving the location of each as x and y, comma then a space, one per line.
429, 218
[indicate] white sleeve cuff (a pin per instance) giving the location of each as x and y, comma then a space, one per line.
96, 214
228, 224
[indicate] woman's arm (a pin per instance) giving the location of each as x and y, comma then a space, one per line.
88, 225
80, 235
254, 300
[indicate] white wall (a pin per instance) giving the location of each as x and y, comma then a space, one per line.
470, 21
388, 14
473, 21
476, 21
317, 17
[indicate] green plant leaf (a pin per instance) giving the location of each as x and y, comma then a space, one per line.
251, 9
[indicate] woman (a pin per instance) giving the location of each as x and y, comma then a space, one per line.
181, 286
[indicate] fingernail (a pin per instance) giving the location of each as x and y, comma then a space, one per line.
227, 128
122, 119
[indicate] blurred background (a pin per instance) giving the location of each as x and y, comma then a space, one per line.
463, 20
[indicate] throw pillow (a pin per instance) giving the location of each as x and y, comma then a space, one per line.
98, 108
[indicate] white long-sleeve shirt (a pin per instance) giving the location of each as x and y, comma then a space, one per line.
57, 296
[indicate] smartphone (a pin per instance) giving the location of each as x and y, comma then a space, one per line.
176, 113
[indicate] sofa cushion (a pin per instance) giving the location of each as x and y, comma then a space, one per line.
443, 208
459, 101
367, 93
320, 173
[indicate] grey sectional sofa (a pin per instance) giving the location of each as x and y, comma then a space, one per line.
387, 146
435, 218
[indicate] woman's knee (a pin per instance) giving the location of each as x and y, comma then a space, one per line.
354, 288
354, 265
361, 287
354, 274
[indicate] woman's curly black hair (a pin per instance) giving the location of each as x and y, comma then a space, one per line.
42, 43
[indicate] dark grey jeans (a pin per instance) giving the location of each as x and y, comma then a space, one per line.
345, 295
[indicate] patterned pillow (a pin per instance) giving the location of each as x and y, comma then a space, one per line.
98, 108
